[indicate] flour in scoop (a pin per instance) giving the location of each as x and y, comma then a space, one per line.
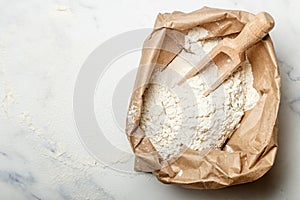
173, 116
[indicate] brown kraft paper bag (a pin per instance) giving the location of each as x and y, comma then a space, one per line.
253, 145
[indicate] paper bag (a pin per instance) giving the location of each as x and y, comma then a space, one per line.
253, 146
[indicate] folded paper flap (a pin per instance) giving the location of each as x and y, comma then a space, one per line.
184, 21
253, 146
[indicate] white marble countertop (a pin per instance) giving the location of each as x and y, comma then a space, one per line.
43, 45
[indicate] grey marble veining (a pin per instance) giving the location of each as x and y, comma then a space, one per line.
42, 48
289, 71
3, 154
295, 105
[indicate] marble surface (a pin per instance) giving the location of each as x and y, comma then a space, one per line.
43, 45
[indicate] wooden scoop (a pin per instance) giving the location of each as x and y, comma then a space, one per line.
229, 54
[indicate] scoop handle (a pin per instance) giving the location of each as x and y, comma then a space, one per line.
253, 31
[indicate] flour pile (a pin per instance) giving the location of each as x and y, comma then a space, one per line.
176, 116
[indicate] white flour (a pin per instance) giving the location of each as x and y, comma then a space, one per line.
176, 116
